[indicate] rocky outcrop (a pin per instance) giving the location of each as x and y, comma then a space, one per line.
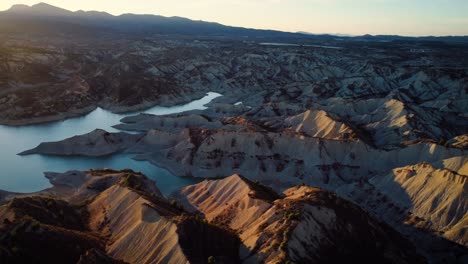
307, 225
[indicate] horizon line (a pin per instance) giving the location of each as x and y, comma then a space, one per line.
341, 35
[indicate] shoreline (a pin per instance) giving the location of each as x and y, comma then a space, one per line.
47, 119
114, 109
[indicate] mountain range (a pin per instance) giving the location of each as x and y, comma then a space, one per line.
31, 18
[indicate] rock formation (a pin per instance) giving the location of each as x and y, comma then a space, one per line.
109, 216
304, 225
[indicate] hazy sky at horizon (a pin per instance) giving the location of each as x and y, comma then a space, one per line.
402, 17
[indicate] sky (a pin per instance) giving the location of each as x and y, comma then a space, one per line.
355, 17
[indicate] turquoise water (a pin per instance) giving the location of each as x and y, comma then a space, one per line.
25, 173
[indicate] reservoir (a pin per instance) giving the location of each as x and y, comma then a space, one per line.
25, 173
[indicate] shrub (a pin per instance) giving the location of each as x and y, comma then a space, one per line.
283, 245
200, 219
176, 205
292, 215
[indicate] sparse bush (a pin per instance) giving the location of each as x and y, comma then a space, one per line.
201, 219
83, 203
176, 205
283, 245
131, 181
292, 215
443, 142
35, 226
211, 260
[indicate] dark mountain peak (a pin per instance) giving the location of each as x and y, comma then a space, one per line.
40, 9
130, 23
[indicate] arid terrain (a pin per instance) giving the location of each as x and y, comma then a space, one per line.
319, 151
120, 216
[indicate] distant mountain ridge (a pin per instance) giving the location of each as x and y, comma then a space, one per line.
43, 17
41, 9
131, 23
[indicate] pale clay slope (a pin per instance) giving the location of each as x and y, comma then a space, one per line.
386, 119
318, 124
232, 194
436, 195
137, 232
280, 159
137, 225
285, 160
232, 198
229, 201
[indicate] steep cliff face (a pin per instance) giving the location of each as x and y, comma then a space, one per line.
304, 225
110, 216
